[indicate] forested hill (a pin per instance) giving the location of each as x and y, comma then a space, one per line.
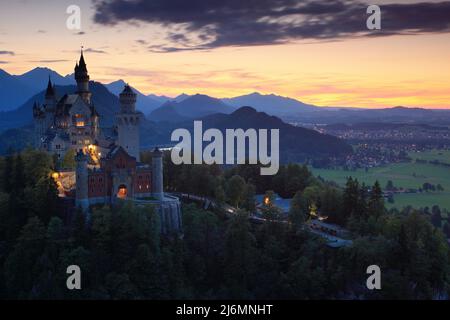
296, 144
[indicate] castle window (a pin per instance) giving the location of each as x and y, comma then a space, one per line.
122, 193
79, 120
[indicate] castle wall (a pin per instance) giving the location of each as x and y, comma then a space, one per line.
98, 185
128, 133
142, 183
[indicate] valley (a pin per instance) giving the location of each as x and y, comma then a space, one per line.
407, 177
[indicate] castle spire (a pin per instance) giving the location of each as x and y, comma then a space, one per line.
82, 79
82, 65
50, 90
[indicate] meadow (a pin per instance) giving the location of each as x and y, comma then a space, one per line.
408, 175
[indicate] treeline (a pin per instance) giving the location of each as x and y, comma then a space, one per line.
123, 256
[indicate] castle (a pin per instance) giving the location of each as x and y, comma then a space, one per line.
108, 167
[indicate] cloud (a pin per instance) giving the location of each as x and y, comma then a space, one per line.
4, 62
216, 23
49, 61
42, 31
80, 33
10, 53
143, 42
91, 50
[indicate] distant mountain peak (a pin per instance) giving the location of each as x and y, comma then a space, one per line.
246, 110
120, 81
40, 70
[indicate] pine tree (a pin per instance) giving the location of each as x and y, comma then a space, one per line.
376, 201
299, 210
235, 190
350, 200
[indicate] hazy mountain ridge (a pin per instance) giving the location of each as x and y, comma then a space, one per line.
16, 90
271, 103
144, 103
189, 108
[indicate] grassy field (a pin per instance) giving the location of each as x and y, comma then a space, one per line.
441, 155
405, 175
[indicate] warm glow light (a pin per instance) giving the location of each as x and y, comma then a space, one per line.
266, 201
55, 175
122, 194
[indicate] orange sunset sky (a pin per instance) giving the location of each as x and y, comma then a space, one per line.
355, 70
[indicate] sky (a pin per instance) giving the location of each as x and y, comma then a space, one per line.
319, 52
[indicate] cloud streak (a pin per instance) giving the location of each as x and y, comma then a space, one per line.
217, 23
49, 61
7, 53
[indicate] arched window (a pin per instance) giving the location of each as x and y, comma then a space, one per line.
122, 192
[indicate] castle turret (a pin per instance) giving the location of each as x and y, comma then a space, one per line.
50, 93
81, 198
39, 122
128, 122
82, 79
50, 104
157, 175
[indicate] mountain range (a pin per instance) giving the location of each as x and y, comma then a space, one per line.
144, 103
271, 104
190, 107
17, 90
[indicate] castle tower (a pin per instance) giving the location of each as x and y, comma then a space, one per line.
157, 175
39, 125
50, 104
81, 199
82, 79
128, 121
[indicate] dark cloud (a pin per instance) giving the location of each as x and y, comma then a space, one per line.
143, 42
8, 53
217, 23
42, 31
95, 51
80, 33
4, 62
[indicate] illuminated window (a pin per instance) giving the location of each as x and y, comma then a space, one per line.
122, 193
79, 120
